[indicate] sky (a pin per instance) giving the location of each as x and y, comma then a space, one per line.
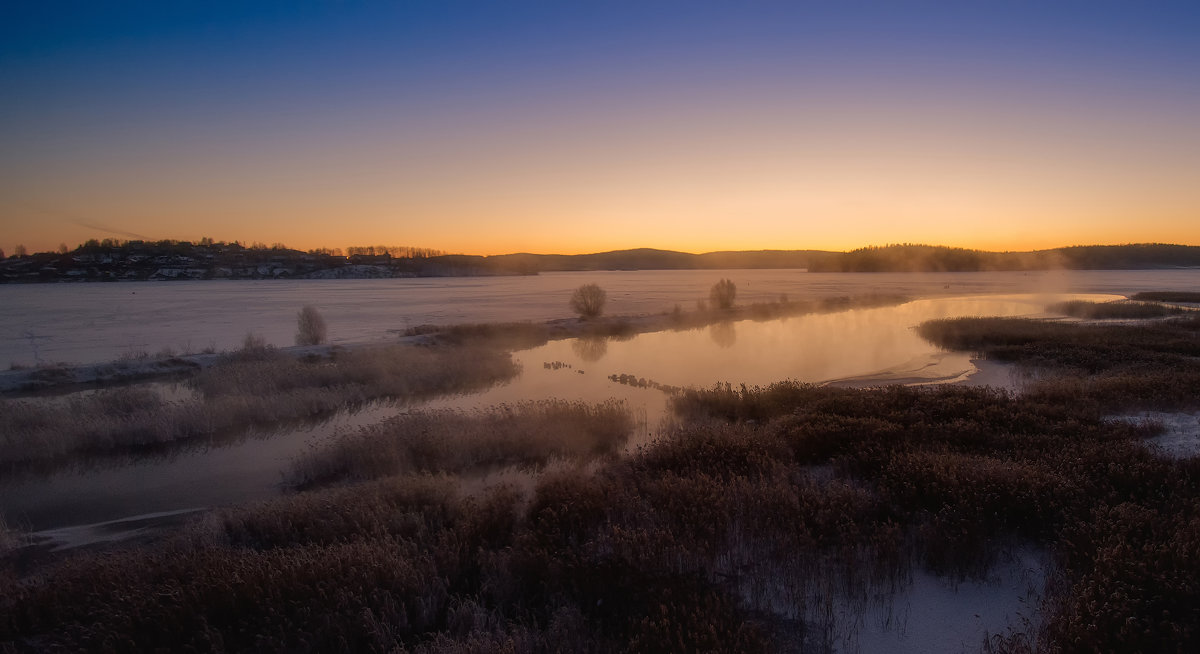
492, 127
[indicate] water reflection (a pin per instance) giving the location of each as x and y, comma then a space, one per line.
866, 344
590, 348
724, 334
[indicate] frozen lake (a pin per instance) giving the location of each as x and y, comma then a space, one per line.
92, 322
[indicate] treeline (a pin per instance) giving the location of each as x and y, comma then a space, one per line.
135, 260
929, 258
110, 259
651, 259
395, 251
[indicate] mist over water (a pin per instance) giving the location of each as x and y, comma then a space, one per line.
92, 322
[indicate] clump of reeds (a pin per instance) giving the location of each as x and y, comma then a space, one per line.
510, 335
1190, 297
1113, 310
626, 379
524, 434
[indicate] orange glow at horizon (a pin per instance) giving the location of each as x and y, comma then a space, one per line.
792, 173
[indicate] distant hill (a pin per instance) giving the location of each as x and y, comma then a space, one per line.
180, 260
931, 258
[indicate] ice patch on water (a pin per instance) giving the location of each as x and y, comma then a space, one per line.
70, 537
1181, 432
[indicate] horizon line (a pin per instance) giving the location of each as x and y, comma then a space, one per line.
280, 245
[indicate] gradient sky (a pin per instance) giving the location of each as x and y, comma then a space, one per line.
490, 127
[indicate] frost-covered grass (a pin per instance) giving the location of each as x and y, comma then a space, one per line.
256, 386
525, 434
1111, 367
761, 517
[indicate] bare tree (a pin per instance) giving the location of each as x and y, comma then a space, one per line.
310, 326
588, 301
722, 294
20, 251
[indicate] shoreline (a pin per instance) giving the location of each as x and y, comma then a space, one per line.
514, 336
62, 378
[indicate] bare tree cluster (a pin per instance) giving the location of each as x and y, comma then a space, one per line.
588, 301
722, 294
310, 326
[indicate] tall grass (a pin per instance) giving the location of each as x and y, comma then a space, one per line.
10, 538
685, 544
254, 387
525, 434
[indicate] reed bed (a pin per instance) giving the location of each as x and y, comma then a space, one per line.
1190, 297
527, 434
1120, 310
1113, 368
713, 537
253, 387
966, 471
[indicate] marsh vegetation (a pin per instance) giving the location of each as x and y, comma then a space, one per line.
1109, 367
745, 525
1190, 297
1114, 310
527, 434
254, 386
